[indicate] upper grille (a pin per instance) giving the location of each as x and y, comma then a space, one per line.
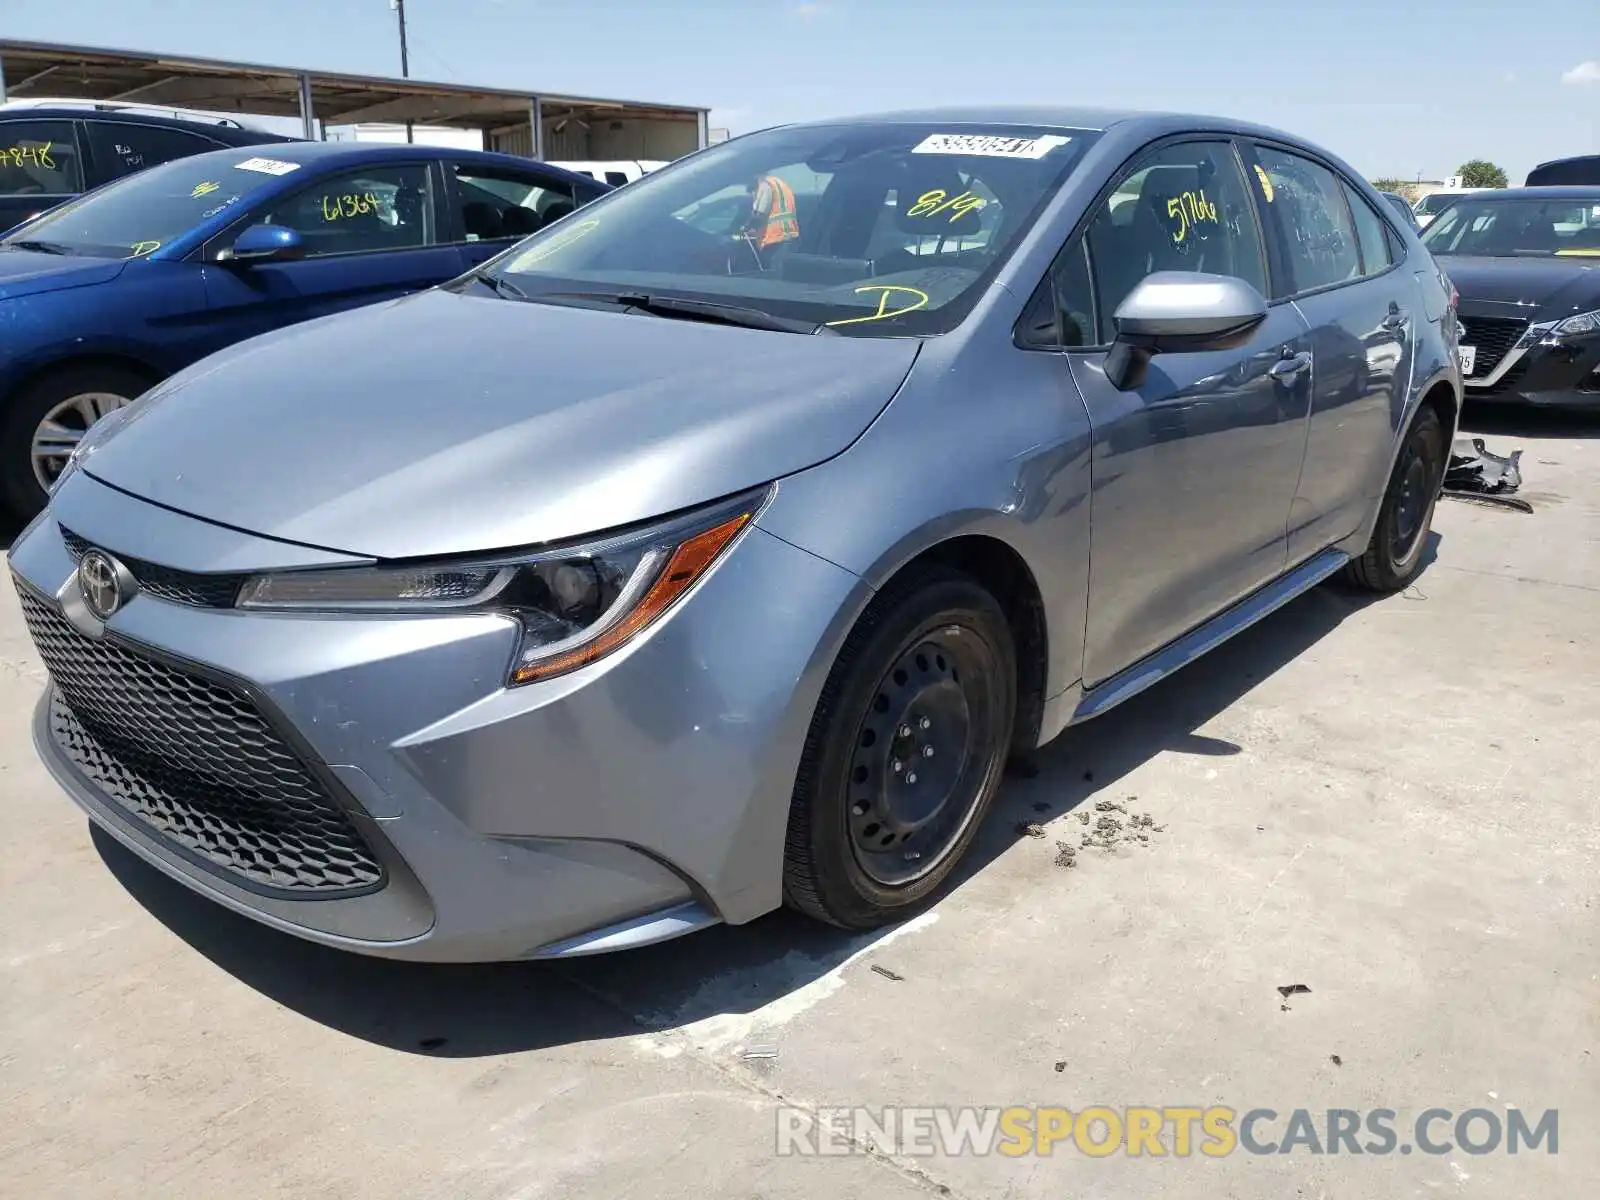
197, 762
1493, 337
180, 587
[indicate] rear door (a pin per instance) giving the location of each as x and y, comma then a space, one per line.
1193, 471
1334, 259
41, 165
371, 234
490, 208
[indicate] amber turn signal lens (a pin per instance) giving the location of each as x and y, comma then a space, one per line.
688, 562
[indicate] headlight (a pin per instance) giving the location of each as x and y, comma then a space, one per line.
1588, 322
574, 604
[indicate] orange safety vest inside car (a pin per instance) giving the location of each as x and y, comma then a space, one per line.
775, 200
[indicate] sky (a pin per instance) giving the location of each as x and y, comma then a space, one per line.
1405, 88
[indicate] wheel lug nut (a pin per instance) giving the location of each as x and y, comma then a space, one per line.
927, 752
905, 731
911, 777
859, 809
897, 766
924, 723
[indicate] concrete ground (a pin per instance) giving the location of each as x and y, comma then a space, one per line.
1394, 804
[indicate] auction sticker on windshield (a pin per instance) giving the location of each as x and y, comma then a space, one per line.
987, 145
266, 166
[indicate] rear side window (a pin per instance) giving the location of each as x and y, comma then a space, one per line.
39, 158
1304, 203
1371, 234
1184, 208
492, 205
120, 149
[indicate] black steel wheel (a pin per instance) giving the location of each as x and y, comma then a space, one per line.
905, 753
1394, 555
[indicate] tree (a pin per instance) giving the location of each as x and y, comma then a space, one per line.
1481, 173
1388, 183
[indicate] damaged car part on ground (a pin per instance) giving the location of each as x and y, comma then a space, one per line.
1477, 475
757, 544
1526, 262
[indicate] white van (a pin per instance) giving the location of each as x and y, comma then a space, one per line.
614, 173
1427, 208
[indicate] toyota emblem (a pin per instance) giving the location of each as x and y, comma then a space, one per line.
100, 581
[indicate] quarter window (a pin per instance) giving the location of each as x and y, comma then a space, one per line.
1305, 208
1185, 208
1371, 234
382, 208
39, 158
495, 205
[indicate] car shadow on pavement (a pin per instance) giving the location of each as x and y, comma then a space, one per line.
722, 974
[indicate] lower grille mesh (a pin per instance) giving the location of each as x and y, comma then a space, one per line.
196, 762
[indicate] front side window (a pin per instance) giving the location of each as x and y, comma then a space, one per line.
1306, 210
38, 158
494, 205
1185, 208
1516, 227
120, 149
1371, 233
376, 208
140, 213
883, 229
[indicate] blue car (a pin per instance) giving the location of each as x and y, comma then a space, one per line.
111, 293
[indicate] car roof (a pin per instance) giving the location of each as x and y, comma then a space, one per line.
1096, 120
230, 134
317, 153
1569, 191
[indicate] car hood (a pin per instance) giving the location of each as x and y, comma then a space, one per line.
448, 423
1533, 287
28, 272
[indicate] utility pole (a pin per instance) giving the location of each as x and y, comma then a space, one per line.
399, 7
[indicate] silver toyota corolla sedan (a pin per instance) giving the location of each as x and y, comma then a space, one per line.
713, 548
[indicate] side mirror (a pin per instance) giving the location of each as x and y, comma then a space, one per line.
1171, 312
265, 243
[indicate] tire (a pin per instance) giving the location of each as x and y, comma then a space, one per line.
1394, 555
926, 681
72, 394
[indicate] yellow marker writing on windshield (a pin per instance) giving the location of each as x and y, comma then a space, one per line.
931, 204
203, 189
884, 312
140, 249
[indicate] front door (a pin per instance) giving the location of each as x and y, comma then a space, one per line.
1193, 471
370, 235
1336, 259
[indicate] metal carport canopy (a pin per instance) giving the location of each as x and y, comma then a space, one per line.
39, 69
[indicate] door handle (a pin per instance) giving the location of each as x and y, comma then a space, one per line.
1396, 319
1290, 365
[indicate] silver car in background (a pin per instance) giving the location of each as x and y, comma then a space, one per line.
713, 548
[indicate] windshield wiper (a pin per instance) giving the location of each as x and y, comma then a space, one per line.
683, 309
42, 247
504, 287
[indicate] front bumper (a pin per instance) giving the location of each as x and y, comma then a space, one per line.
639, 798
1559, 375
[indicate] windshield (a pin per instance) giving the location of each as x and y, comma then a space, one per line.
1516, 227
871, 230
139, 214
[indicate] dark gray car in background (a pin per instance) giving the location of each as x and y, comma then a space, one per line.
695, 555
